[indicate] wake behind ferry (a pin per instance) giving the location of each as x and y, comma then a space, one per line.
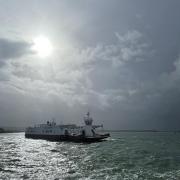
68, 132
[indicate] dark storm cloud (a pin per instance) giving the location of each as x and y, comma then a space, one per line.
10, 49
152, 105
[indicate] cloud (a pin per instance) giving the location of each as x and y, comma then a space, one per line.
155, 101
11, 49
130, 46
72, 75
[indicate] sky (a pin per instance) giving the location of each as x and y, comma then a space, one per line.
118, 59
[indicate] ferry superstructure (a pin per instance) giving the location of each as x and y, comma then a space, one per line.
69, 132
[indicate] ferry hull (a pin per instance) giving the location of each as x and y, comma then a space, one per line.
78, 138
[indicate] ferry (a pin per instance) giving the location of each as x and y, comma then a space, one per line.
69, 132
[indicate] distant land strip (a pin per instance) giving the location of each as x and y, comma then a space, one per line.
15, 130
3, 130
139, 130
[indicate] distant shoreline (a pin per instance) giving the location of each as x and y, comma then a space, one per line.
8, 130
1, 132
177, 131
174, 131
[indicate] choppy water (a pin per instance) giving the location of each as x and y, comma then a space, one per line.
123, 156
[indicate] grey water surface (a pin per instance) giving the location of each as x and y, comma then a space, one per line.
124, 155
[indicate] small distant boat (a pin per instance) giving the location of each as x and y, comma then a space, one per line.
68, 132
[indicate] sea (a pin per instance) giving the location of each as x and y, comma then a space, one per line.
125, 155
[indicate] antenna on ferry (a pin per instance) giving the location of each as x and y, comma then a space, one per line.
88, 113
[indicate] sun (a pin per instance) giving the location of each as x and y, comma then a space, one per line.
42, 46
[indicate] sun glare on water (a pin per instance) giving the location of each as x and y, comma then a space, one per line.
42, 46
